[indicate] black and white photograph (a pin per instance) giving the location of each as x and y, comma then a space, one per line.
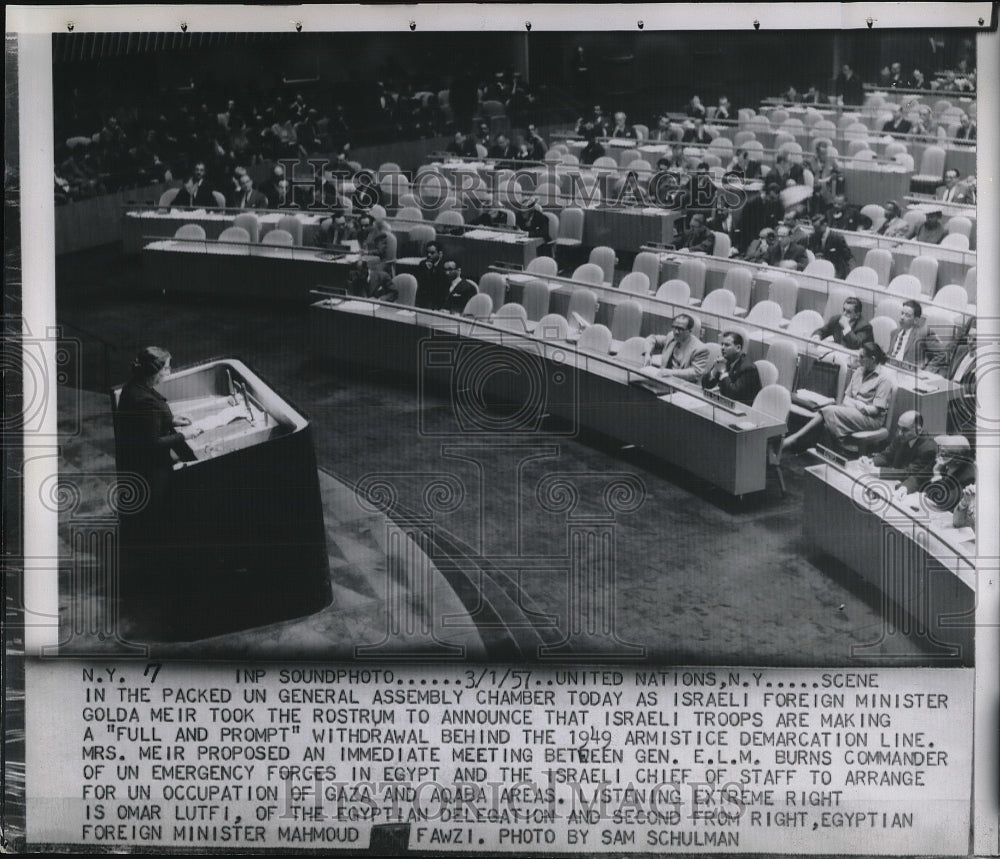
629, 348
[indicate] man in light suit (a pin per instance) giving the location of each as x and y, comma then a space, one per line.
684, 355
913, 342
952, 191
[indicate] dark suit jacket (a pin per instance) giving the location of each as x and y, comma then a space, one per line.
848, 219
699, 240
742, 383
627, 131
535, 224
432, 285
203, 197
902, 127
692, 135
860, 333
944, 491
256, 200
834, 248
794, 251
910, 464
458, 295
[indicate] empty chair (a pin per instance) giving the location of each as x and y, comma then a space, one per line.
419, 235
278, 237
782, 137
739, 282
784, 291
957, 241
552, 326
570, 228
847, 119
960, 224
478, 307
167, 197
582, 306
882, 328
554, 154
378, 212
543, 265
889, 307
778, 116
776, 402
495, 286
410, 213
548, 194
640, 165
589, 273
389, 167
291, 225
511, 317
628, 156
595, 338
649, 264
803, 323
880, 260
535, 300
742, 137
944, 323
931, 167
626, 322
904, 160
971, 279
634, 351
450, 218
820, 268
692, 272
723, 245
675, 291
875, 213
636, 283
855, 146
915, 218
767, 372
569, 160
925, 269
391, 246
190, 231
408, 201
783, 355
721, 302
235, 234
249, 222
864, 159
952, 297
863, 276
553, 220
605, 162
605, 258
905, 285
824, 128
766, 314
406, 289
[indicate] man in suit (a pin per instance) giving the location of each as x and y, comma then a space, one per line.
897, 125
661, 133
335, 232
826, 244
931, 231
532, 220
462, 146
724, 219
849, 88
697, 133
848, 329
699, 237
954, 469
760, 247
621, 128
909, 456
843, 216
247, 197
966, 130
952, 191
962, 370
762, 211
895, 226
537, 147
786, 250
744, 165
367, 282
459, 291
196, 193
733, 375
270, 188
913, 342
431, 282
684, 355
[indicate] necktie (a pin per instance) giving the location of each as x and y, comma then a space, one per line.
898, 350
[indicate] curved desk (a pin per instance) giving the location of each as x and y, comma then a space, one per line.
482, 366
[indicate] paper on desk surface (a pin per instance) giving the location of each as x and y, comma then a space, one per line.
222, 417
686, 401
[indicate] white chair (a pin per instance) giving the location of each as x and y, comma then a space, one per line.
767, 372
291, 225
605, 258
863, 276
495, 286
971, 280
766, 314
820, 268
589, 273
569, 160
570, 228
880, 260
803, 323
882, 328
605, 162
889, 307
535, 300
419, 236
406, 289
675, 291
720, 302
635, 283
235, 234
190, 232
835, 301
276, 237
905, 285
595, 338
552, 326
692, 272
543, 265
776, 402
739, 282
626, 322
956, 241
723, 245
450, 218
931, 167
649, 264
410, 213
249, 222
784, 357
408, 201
925, 269
627, 156
952, 297
512, 317
915, 218
378, 212
875, 213
960, 224
582, 306
167, 197
480, 306
634, 351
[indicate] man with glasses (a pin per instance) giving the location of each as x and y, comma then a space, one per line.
909, 457
684, 355
786, 253
459, 291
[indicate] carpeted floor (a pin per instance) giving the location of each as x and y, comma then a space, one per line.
699, 577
